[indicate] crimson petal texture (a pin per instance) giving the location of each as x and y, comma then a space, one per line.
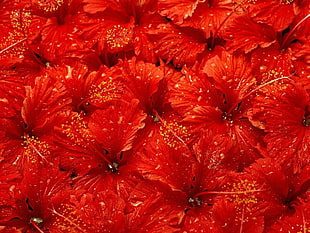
287, 132
44, 104
116, 127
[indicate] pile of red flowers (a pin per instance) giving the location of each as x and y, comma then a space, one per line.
155, 116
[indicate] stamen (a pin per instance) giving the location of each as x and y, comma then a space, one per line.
104, 92
155, 118
49, 5
304, 227
12, 45
306, 121
36, 222
242, 219
255, 90
33, 146
118, 37
67, 219
113, 167
287, 2
194, 201
227, 117
229, 193
291, 32
78, 132
174, 134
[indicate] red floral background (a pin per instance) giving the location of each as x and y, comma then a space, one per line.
155, 116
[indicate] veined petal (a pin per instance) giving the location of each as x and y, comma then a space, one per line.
177, 10
44, 104
245, 35
119, 126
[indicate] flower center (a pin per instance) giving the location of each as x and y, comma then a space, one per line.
194, 201
306, 120
227, 117
113, 167
37, 223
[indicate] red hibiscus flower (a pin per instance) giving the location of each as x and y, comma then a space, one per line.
25, 140
59, 26
276, 49
105, 211
252, 200
147, 209
36, 207
276, 13
154, 116
245, 34
100, 145
121, 126
88, 89
141, 80
230, 217
297, 222
44, 105
120, 29
220, 103
287, 133
212, 17
183, 179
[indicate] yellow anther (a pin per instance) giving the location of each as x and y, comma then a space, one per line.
35, 150
67, 220
49, 5
118, 37
104, 92
174, 134
77, 131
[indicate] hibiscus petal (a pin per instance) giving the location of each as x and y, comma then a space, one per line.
245, 35
116, 127
44, 104
177, 10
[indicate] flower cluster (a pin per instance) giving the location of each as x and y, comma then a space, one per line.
155, 116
